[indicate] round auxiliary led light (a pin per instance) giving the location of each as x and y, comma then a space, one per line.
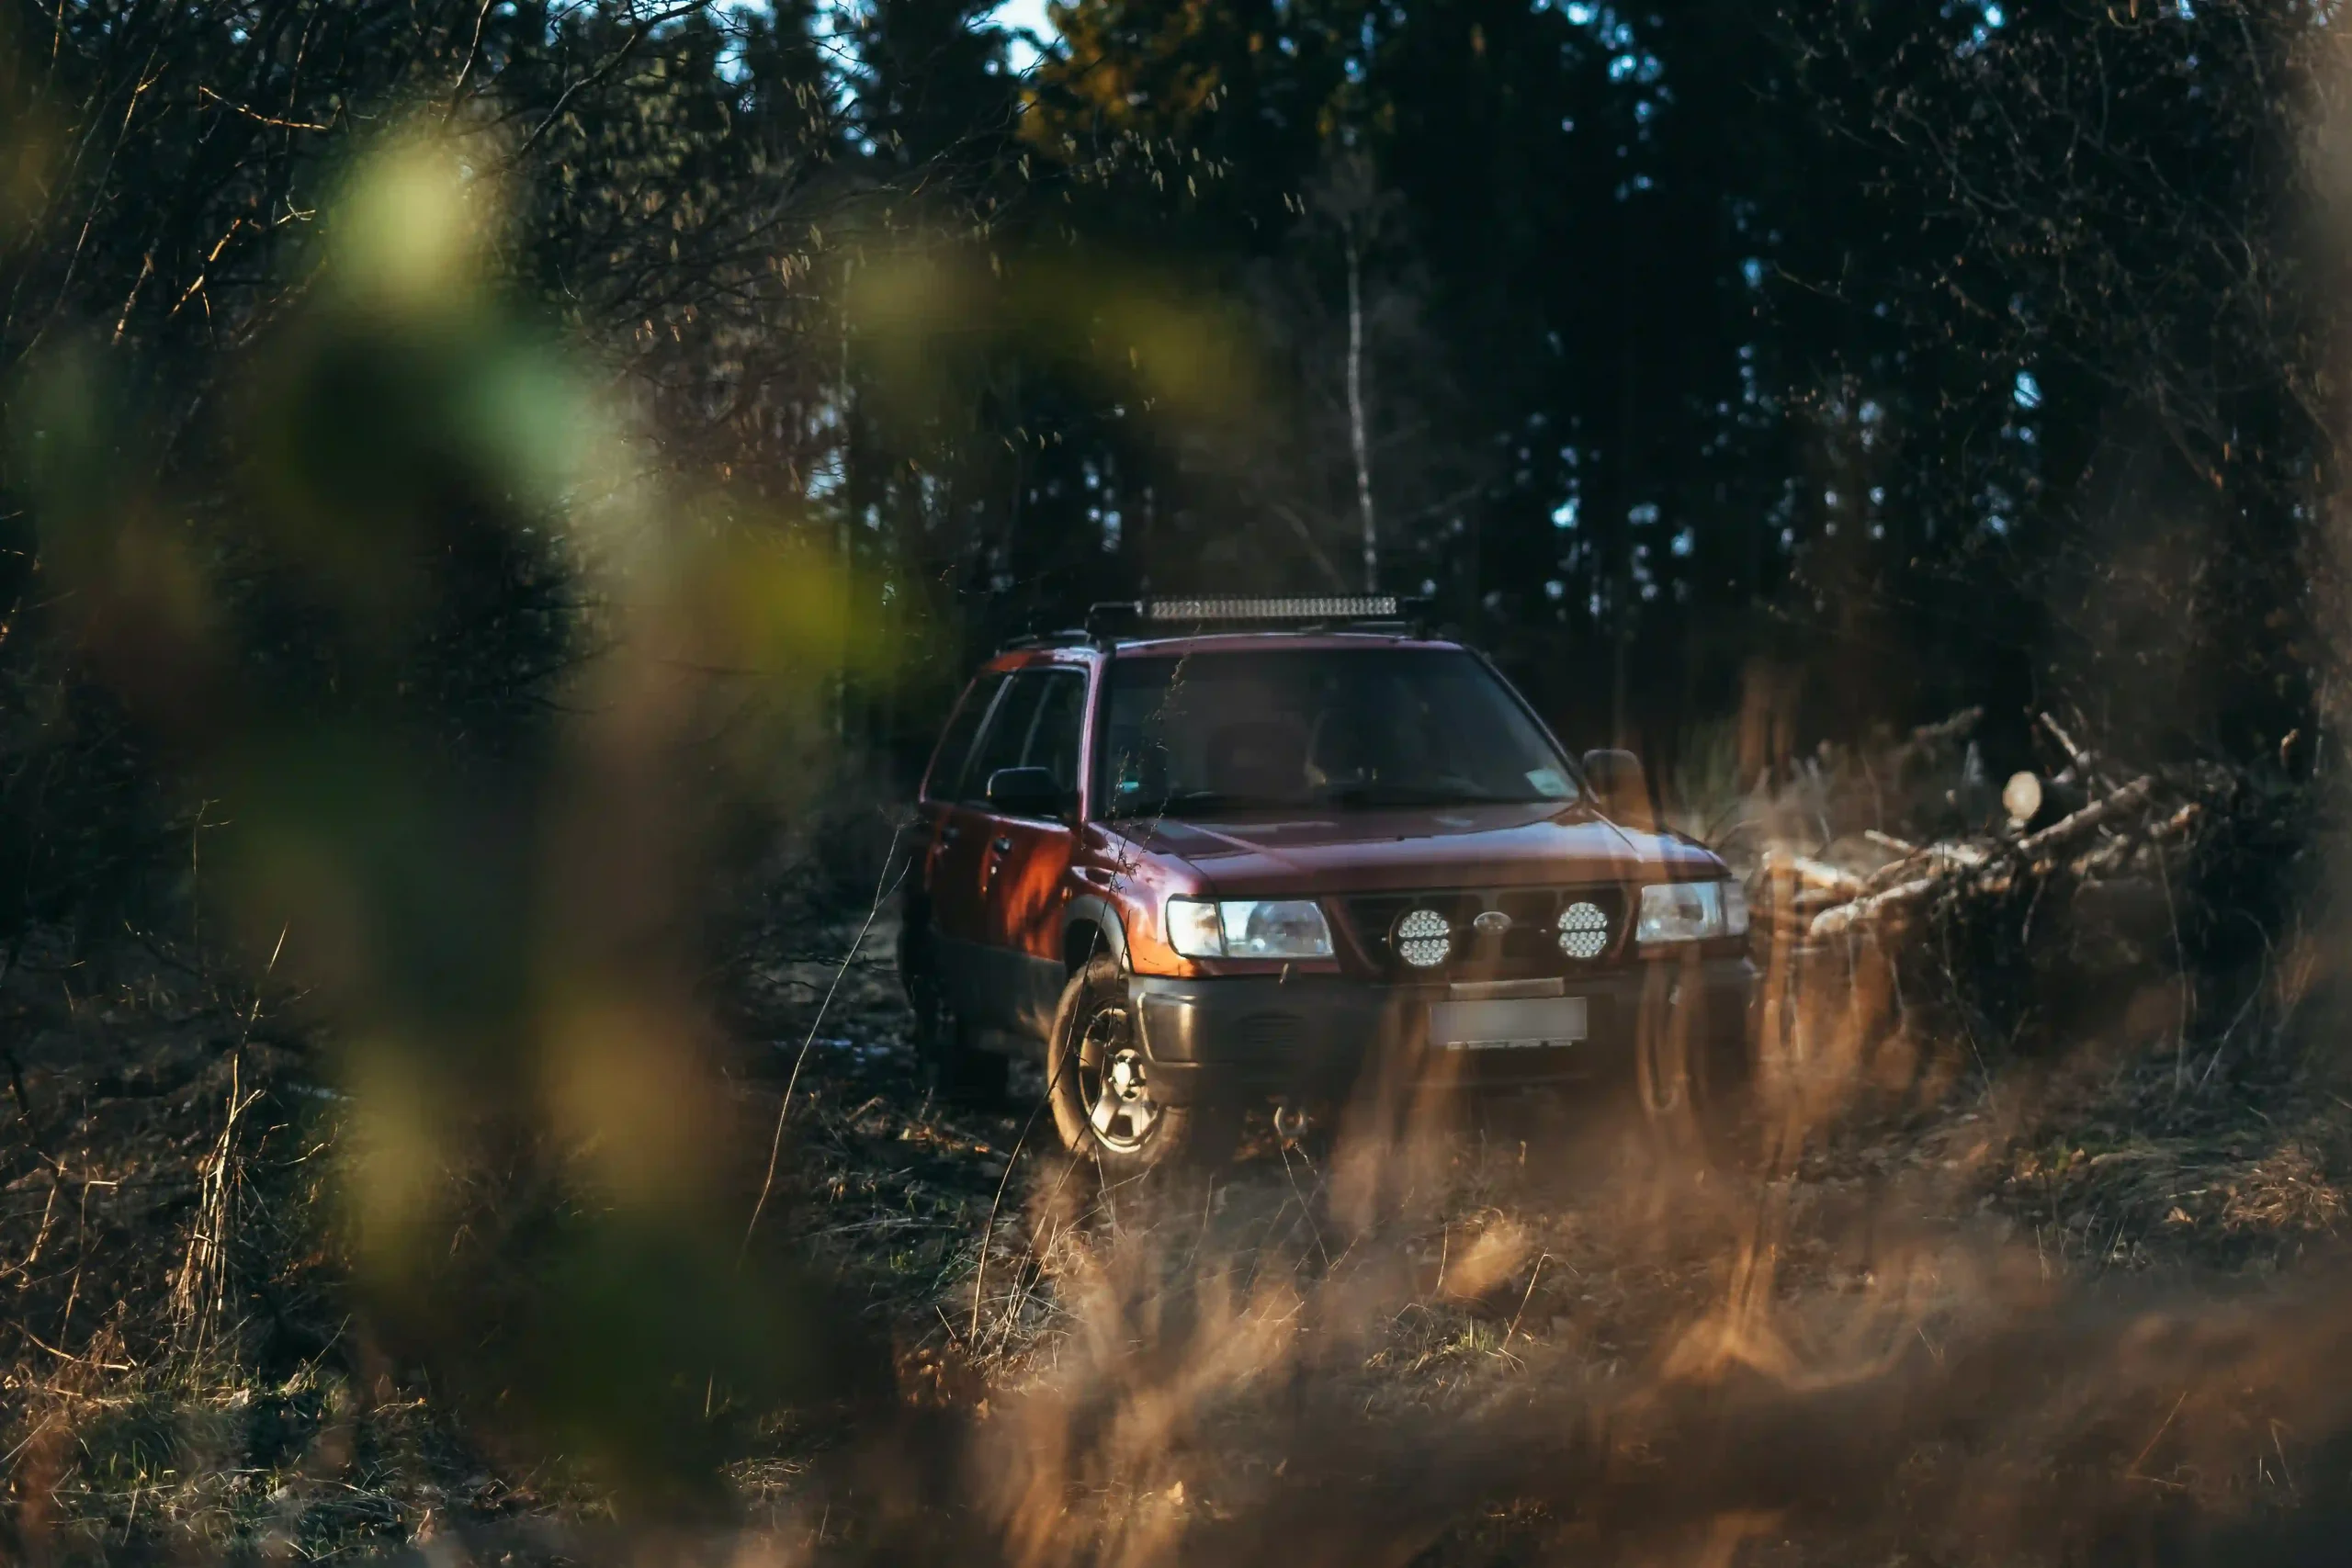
1422, 938
1584, 929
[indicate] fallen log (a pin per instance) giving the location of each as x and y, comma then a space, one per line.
1813, 874
2034, 845
2021, 797
1845, 917
1965, 867
1936, 860
2106, 857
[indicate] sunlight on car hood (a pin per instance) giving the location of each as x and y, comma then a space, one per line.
1524, 843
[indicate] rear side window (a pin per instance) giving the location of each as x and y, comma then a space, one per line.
1036, 725
946, 778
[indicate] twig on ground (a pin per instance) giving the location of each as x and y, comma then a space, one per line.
2078, 761
1533, 1275
987, 1233
883, 887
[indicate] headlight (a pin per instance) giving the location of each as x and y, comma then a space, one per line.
1248, 928
1692, 912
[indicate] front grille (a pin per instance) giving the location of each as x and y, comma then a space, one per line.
1530, 949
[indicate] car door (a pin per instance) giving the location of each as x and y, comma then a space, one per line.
971, 961
955, 924
1027, 858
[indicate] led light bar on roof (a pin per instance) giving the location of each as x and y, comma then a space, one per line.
1326, 607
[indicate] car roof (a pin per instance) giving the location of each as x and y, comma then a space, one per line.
1178, 647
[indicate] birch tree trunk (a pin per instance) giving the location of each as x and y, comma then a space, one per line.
1359, 436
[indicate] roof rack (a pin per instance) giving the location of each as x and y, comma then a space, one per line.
1361, 612
1069, 636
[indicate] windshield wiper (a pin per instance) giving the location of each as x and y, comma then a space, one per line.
1376, 795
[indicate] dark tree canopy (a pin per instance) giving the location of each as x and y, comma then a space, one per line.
1892, 357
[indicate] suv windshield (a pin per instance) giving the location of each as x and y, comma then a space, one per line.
1318, 727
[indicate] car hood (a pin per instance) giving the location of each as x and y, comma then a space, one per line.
1467, 846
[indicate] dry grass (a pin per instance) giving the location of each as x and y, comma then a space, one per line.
1158, 1365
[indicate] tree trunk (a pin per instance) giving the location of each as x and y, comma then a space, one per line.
1359, 437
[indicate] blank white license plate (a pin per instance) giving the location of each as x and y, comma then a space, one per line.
1520, 1024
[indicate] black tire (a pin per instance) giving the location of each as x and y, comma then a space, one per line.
1098, 1082
952, 1066
1691, 1077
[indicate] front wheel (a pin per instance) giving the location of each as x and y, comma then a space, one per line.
1690, 1079
1099, 1083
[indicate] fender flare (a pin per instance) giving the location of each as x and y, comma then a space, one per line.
1089, 909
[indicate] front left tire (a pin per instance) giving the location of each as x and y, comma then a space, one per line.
1099, 1083
1692, 1073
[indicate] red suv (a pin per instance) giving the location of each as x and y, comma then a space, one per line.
1201, 862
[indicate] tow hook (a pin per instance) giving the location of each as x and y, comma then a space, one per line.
1291, 1123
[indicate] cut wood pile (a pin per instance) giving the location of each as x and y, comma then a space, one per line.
1821, 866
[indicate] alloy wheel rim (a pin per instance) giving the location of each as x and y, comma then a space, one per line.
1115, 1088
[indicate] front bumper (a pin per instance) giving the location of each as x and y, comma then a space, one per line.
1322, 1037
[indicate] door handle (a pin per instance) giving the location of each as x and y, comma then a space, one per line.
1003, 846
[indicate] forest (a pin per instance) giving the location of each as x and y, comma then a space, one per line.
499, 497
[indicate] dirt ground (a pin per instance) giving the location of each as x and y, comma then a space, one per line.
1519, 1334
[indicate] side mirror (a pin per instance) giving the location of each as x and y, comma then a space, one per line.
1026, 792
1616, 778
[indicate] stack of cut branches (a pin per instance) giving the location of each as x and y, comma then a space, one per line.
2085, 822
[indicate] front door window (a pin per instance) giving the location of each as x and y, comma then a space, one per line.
1027, 858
